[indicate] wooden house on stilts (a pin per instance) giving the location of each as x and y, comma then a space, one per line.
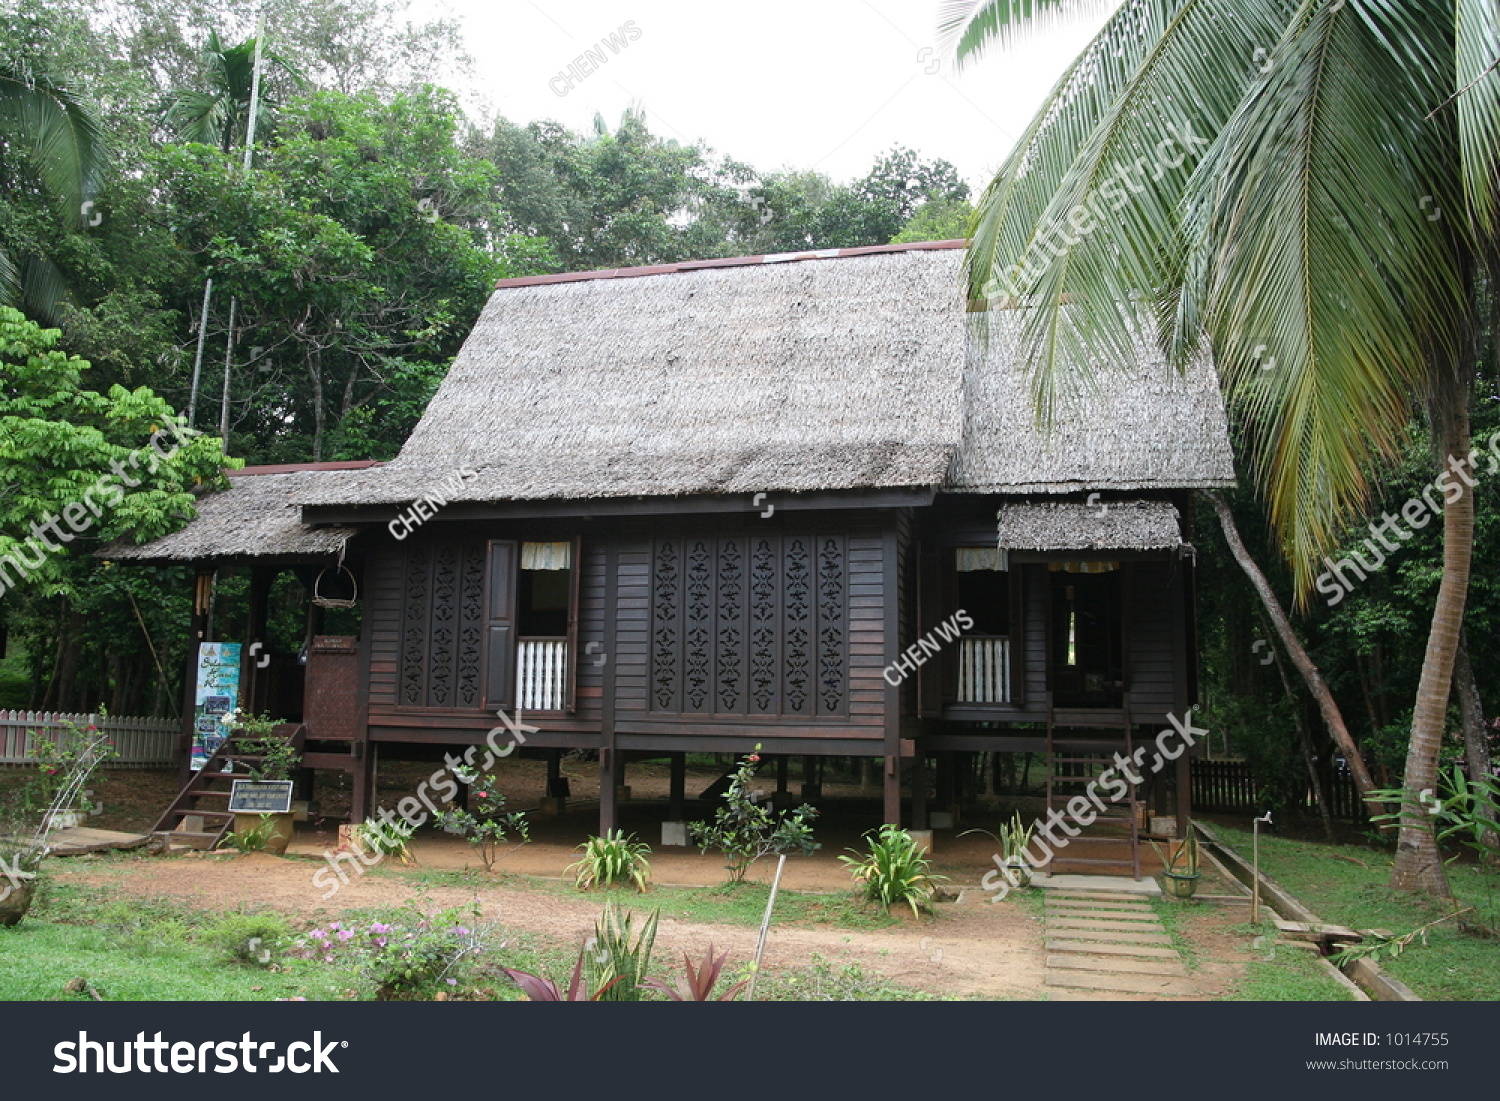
785, 500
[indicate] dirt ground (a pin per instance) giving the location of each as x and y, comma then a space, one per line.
972, 948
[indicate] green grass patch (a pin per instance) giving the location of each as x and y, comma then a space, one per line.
1346, 885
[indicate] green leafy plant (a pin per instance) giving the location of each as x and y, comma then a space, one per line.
1012, 838
278, 758
617, 952
1179, 858
253, 840
696, 984
252, 940
615, 858
485, 825
386, 838
1467, 811
745, 830
59, 762
895, 871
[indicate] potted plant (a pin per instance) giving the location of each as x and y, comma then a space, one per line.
274, 760
1179, 864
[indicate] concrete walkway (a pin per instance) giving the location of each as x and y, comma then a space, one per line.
1109, 944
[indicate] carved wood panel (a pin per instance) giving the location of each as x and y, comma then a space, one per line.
750, 626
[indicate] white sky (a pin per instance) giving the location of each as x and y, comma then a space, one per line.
808, 84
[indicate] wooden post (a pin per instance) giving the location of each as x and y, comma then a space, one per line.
678, 809
255, 682
812, 780
609, 778
919, 792
363, 782
203, 588
946, 781
892, 808
782, 763
1184, 793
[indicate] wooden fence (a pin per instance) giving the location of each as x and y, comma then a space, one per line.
139, 743
1229, 787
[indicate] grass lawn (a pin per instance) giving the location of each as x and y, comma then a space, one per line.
1346, 885
128, 948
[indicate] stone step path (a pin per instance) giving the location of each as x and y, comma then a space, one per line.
1103, 945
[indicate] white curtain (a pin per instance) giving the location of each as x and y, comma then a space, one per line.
546, 556
971, 559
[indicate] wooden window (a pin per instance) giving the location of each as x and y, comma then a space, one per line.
985, 665
750, 625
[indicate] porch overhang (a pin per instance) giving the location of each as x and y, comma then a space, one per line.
1095, 527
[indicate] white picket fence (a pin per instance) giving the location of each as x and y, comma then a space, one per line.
140, 743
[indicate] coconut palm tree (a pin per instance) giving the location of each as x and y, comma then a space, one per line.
1306, 187
218, 114
51, 135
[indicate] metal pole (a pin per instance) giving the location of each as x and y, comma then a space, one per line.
1255, 860
765, 925
208, 287
224, 396
249, 155
254, 88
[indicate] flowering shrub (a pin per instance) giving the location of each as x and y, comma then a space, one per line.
485, 824
418, 954
78, 752
744, 830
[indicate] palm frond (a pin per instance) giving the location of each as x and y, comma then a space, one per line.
62, 135
1082, 224
971, 27
1477, 107
1334, 231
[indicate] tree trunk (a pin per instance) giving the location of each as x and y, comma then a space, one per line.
1419, 865
1327, 706
1476, 736
1320, 798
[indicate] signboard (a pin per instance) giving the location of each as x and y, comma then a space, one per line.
260, 797
216, 694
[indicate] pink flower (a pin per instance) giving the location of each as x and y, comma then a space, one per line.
482, 794
346, 934
318, 934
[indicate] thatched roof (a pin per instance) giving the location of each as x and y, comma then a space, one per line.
256, 517
819, 371
1076, 525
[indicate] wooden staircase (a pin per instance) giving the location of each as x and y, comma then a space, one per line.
206, 795
1083, 758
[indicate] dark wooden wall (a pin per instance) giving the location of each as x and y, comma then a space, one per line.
727, 630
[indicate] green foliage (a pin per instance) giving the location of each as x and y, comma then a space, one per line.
614, 859
895, 871
387, 838
616, 958
252, 940
420, 952
278, 757
1346, 885
1464, 810
745, 831
485, 825
253, 840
